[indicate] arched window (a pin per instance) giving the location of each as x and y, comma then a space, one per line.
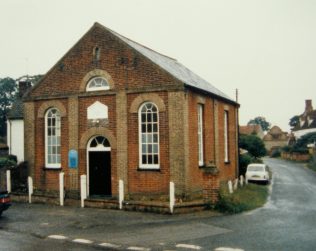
148, 118
97, 84
52, 138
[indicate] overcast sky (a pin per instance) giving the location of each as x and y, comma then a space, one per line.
264, 48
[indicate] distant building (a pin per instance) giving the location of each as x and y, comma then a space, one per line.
15, 124
307, 121
252, 129
275, 139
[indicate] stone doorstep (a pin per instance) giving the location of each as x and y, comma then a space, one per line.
142, 206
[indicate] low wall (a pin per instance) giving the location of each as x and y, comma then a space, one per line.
296, 156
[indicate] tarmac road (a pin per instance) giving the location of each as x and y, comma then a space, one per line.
286, 222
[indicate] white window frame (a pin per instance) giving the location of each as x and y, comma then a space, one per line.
57, 128
98, 88
200, 135
150, 136
226, 136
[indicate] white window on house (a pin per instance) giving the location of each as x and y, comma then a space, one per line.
200, 135
148, 117
52, 138
97, 84
226, 150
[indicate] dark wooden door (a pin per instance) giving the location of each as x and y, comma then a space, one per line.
100, 173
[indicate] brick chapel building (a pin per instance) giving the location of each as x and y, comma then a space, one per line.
130, 114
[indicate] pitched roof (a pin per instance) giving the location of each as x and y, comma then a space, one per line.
16, 112
249, 129
172, 66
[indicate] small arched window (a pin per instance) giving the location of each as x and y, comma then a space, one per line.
52, 138
97, 84
148, 116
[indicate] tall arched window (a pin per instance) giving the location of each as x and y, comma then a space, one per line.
52, 138
148, 118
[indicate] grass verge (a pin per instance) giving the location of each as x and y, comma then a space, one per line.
245, 198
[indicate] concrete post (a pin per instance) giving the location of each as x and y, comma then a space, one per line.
83, 188
30, 188
230, 187
242, 180
61, 188
121, 193
9, 181
172, 196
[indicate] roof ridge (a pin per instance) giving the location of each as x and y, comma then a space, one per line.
133, 41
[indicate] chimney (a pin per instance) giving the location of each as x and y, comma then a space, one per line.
24, 86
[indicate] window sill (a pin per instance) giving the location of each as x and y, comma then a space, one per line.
146, 169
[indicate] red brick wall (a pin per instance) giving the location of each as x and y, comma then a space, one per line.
43, 178
227, 170
148, 181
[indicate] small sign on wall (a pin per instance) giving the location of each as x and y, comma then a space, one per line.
73, 159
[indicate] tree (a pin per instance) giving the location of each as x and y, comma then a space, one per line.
265, 125
294, 121
8, 90
253, 144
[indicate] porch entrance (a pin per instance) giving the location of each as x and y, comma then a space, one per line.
99, 167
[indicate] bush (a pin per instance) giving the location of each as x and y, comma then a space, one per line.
244, 161
8, 161
245, 198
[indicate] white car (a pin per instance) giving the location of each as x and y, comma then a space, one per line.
257, 172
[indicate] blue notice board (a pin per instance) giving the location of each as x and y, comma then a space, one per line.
73, 159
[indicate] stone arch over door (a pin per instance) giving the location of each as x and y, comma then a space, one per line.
92, 132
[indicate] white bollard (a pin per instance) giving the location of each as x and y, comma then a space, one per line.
171, 196
235, 184
61, 188
242, 180
121, 193
83, 188
230, 187
30, 186
9, 181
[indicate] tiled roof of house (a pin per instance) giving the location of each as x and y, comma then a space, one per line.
172, 66
16, 112
276, 134
249, 129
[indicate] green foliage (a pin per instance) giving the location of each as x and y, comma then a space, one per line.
8, 89
301, 144
245, 198
265, 125
294, 121
8, 161
244, 161
253, 145
312, 163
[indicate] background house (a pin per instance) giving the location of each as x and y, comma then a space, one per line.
128, 113
15, 124
275, 139
307, 121
252, 129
